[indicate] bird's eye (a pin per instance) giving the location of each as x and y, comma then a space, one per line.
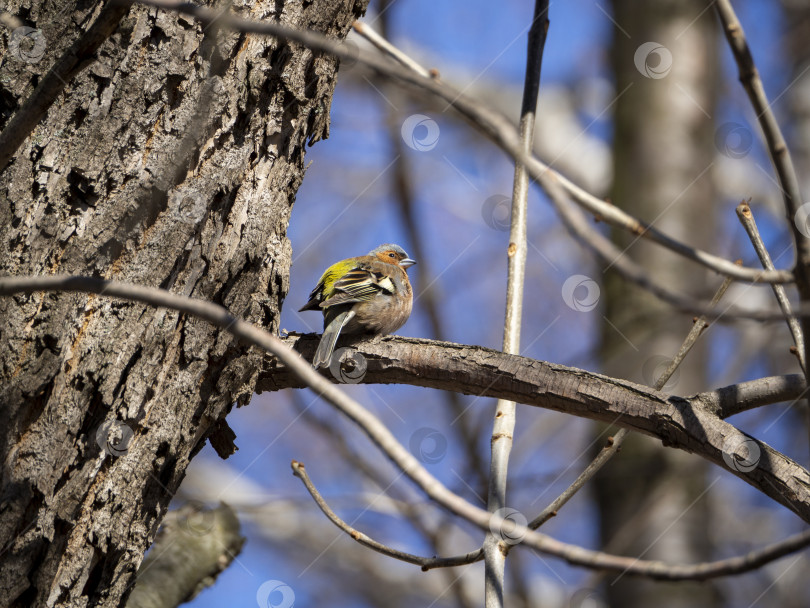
391, 255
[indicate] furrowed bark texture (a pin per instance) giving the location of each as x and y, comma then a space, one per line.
171, 160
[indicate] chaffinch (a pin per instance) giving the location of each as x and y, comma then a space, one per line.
367, 294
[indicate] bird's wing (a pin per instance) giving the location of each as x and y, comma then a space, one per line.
359, 285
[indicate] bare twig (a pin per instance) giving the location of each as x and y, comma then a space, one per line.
698, 326
726, 567
785, 171
300, 471
503, 426
73, 61
386, 47
614, 443
750, 225
749, 77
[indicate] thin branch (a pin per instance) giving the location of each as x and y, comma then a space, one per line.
503, 426
782, 162
750, 225
386, 47
614, 443
792, 492
726, 567
749, 77
492, 124
300, 471
74, 60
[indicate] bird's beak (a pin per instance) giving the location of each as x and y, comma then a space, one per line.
407, 262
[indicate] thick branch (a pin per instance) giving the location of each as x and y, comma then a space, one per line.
691, 424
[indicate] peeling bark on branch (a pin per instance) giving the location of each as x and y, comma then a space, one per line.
689, 424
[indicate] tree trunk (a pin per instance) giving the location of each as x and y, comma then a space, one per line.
663, 153
172, 160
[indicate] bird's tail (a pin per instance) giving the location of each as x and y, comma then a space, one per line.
329, 338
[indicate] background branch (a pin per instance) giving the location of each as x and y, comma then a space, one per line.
503, 426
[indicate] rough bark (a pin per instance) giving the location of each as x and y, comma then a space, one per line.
172, 160
689, 424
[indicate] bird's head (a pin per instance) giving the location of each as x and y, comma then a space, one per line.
392, 254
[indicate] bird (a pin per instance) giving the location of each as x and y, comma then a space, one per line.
365, 294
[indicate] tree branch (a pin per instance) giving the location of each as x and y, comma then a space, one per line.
750, 225
503, 426
492, 124
676, 421
300, 471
